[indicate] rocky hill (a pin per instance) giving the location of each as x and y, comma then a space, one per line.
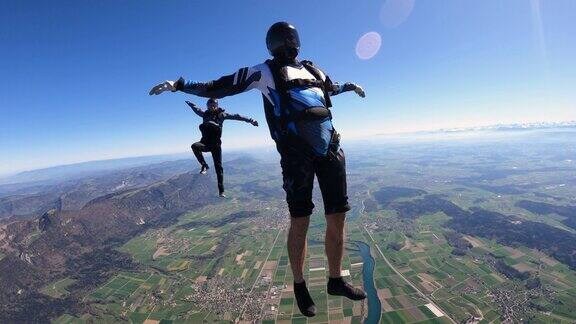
29, 200
80, 244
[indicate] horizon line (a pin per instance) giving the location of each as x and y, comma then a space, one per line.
569, 123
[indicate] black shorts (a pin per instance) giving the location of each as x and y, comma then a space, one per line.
298, 170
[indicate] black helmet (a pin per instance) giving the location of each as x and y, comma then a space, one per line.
212, 101
282, 36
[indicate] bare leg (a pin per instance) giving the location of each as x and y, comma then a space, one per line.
297, 254
297, 246
334, 250
334, 242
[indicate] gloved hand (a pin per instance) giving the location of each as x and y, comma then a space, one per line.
164, 86
359, 91
253, 122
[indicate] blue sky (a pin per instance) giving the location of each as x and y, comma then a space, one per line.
74, 75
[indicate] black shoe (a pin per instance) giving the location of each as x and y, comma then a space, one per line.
204, 169
303, 299
339, 287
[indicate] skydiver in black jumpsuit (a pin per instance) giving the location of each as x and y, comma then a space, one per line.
296, 97
211, 129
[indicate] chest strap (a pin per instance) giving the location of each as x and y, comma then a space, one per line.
283, 86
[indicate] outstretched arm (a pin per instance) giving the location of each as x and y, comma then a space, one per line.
195, 108
243, 80
334, 88
241, 118
337, 89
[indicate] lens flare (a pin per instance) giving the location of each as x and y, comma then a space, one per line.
395, 12
368, 45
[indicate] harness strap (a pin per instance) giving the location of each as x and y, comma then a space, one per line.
305, 83
318, 75
282, 89
283, 86
314, 113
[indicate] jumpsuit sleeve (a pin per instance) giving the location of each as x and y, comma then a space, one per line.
242, 80
336, 88
196, 109
237, 117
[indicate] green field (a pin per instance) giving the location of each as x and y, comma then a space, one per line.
203, 269
58, 288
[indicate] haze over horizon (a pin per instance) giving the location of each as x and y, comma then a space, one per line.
75, 77
427, 135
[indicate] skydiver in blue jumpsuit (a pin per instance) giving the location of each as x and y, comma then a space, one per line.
296, 97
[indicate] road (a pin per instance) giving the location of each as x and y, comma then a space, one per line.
259, 274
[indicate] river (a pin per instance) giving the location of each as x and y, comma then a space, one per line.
374, 305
